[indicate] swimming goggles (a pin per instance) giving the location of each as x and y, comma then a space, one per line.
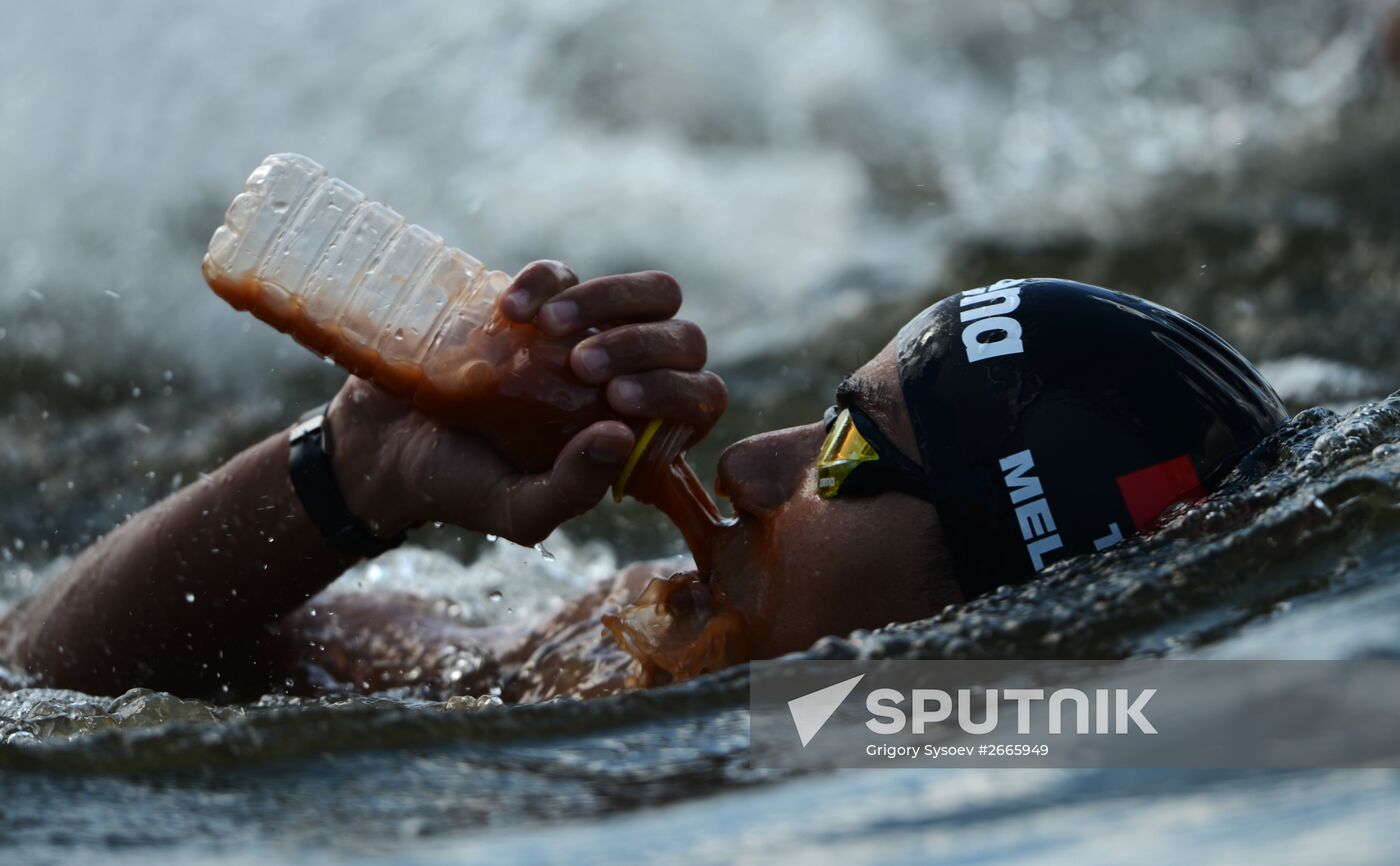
857, 460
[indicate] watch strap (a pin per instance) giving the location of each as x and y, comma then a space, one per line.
313, 477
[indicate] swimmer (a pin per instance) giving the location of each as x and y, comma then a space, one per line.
1002, 430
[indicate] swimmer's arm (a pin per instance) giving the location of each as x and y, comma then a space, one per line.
180, 596
177, 597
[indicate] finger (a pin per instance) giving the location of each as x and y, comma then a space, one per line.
697, 399
534, 285
533, 506
674, 343
642, 297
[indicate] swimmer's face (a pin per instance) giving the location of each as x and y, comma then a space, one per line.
800, 566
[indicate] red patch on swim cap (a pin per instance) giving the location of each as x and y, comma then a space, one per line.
1149, 491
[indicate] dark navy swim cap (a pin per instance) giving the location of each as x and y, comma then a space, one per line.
1056, 418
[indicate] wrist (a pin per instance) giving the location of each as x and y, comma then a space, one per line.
366, 470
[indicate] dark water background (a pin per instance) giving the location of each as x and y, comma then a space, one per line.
813, 173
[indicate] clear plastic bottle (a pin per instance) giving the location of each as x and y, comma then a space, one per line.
387, 300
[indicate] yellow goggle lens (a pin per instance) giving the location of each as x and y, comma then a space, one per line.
843, 450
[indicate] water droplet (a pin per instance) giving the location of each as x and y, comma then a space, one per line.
169, 375
492, 538
495, 595
189, 597
540, 549
111, 294
71, 379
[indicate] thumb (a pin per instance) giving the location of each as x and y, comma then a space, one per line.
536, 504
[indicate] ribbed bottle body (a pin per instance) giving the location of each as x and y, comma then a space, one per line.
348, 277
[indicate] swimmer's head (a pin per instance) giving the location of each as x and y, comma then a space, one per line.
1055, 418
1003, 430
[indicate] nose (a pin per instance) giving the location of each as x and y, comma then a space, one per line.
760, 473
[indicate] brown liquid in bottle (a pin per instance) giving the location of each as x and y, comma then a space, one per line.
509, 382
512, 384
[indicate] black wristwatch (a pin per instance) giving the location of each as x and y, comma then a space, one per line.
313, 476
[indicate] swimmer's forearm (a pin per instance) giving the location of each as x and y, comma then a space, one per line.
179, 596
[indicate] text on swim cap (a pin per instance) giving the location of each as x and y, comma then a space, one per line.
985, 313
1032, 509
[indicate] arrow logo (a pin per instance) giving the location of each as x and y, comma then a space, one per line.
811, 711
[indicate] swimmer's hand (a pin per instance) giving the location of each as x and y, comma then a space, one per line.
399, 468
651, 363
